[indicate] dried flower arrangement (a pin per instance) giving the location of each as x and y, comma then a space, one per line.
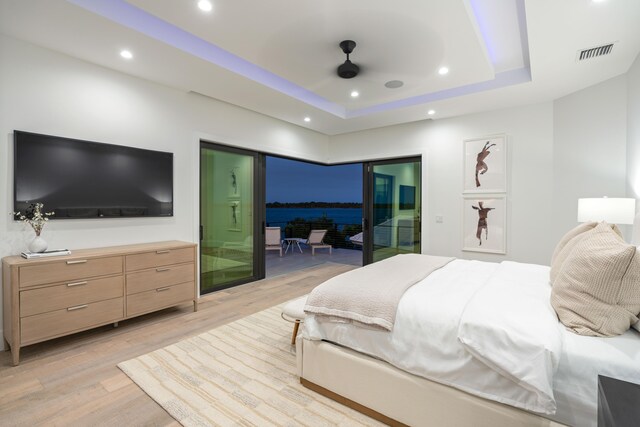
34, 217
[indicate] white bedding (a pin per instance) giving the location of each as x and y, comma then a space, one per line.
424, 341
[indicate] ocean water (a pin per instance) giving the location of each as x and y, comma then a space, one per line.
340, 216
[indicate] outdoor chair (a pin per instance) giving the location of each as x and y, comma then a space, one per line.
273, 239
315, 241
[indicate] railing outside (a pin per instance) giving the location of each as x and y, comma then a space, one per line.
337, 233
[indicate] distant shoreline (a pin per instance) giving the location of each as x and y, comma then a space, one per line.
314, 205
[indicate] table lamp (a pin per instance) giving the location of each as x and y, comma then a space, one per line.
611, 210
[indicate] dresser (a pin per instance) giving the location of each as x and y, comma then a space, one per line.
51, 297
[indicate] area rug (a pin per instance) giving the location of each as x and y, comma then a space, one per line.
239, 374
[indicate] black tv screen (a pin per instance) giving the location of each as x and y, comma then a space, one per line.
83, 179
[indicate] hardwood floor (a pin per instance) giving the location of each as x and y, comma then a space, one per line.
74, 380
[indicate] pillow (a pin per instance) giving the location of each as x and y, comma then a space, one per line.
636, 326
567, 243
597, 290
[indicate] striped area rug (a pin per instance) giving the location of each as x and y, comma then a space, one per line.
240, 374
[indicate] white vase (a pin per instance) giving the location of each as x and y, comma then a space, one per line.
38, 244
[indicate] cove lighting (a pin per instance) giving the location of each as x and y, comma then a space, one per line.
126, 54
307, 119
355, 94
443, 70
205, 5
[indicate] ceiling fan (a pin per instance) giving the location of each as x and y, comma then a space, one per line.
348, 70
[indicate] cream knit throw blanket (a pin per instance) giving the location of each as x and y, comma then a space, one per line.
370, 295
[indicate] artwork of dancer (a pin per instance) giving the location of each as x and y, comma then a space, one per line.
234, 214
481, 166
234, 182
483, 213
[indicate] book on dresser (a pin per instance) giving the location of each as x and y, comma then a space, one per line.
53, 252
52, 296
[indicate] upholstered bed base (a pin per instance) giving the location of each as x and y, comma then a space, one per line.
395, 397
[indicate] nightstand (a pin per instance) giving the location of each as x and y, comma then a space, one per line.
618, 403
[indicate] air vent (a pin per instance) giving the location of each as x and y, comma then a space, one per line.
595, 52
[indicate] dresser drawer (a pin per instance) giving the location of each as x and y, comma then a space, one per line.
74, 269
156, 299
159, 277
42, 300
159, 258
75, 318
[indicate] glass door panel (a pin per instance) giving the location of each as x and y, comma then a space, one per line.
394, 194
227, 226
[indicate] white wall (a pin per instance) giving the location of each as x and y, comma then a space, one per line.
45, 92
633, 141
530, 149
558, 152
589, 150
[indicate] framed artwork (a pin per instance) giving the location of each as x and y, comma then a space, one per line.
485, 165
484, 227
234, 221
407, 197
234, 182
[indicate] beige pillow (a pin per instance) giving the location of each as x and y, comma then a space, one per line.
597, 290
567, 243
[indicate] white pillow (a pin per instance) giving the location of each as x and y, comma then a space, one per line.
636, 326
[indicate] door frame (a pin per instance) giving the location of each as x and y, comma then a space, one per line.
367, 201
259, 212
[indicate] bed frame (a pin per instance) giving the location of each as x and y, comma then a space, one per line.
399, 398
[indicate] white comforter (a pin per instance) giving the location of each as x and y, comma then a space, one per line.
484, 328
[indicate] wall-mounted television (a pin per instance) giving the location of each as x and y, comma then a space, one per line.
84, 179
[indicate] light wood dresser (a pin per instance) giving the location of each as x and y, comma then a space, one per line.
51, 297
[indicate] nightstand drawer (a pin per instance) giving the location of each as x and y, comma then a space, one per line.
70, 269
159, 277
43, 300
74, 318
162, 297
159, 258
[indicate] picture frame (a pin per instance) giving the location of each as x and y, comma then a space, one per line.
407, 195
484, 223
234, 183
485, 165
234, 220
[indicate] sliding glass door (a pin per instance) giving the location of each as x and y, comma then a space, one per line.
230, 217
392, 208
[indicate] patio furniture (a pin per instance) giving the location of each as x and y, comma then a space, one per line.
315, 241
273, 239
291, 242
293, 312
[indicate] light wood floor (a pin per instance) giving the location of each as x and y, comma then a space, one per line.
74, 380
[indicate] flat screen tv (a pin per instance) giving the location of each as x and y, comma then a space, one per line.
83, 179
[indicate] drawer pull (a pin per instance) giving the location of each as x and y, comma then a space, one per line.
78, 307
70, 285
163, 252
160, 270
163, 289
80, 261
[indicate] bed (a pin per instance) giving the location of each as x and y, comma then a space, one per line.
474, 343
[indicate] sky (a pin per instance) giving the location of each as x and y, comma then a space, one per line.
295, 181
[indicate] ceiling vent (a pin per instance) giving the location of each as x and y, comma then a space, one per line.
594, 52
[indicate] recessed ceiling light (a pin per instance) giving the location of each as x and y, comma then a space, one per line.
598, 1
394, 84
355, 94
443, 70
307, 119
126, 54
431, 112
205, 5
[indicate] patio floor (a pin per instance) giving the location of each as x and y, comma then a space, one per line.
292, 261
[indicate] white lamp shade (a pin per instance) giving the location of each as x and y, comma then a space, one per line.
611, 210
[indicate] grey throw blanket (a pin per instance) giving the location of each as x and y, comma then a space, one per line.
370, 295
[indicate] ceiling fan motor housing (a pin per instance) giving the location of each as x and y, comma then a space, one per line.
348, 70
